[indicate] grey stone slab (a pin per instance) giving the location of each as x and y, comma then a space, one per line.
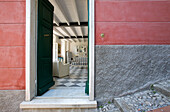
59, 110
125, 69
165, 91
108, 107
10, 100
123, 107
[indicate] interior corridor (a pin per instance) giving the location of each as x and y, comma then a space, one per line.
70, 48
70, 86
76, 78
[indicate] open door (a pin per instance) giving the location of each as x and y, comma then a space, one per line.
44, 46
87, 82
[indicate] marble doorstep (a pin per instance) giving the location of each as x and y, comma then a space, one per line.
58, 103
65, 92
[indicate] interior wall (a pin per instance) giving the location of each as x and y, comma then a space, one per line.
68, 46
63, 49
65, 46
56, 41
73, 46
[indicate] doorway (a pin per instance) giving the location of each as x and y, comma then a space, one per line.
63, 23
31, 18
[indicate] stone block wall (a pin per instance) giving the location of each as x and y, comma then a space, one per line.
124, 69
10, 100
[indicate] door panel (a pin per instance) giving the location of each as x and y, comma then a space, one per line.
44, 46
87, 82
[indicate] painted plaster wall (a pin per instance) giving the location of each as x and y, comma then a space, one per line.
63, 50
132, 22
134, 52
12, 44
12, 54
73, 46
56, 41
123, 22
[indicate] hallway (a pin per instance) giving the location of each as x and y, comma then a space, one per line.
70, 86
77, 77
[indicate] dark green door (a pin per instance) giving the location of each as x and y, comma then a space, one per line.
87, 82
44, 46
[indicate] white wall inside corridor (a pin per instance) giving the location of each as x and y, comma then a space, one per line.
73, 46
66, 46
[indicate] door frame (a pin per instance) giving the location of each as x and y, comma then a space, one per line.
31, 49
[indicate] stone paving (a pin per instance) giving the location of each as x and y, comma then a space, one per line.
146, 101
158, 97
108, 107
140, 102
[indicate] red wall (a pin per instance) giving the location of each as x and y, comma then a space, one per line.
12, 44
122, 21
132, 22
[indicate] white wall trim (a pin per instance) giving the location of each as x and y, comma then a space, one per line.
27, 50
91, 49
30, 51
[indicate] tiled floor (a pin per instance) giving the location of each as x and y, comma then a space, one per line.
72, 86
77, 77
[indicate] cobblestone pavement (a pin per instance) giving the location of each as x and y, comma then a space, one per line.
146, 101
109, 107
140, 102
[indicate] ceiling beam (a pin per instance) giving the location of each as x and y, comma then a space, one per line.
72, 24
73, 37
76, 11
59, 32
62, 11
74, 33
81, 32
69, 36
62, 36
87, 5
65, 31
73, 40
55, 20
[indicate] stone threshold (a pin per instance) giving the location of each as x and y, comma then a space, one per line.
58, 104
64, 97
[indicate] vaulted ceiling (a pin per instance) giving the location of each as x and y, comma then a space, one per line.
70, 19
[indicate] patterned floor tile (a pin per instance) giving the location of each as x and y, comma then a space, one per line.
77, 78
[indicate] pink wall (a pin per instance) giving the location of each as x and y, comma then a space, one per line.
122, 21
132, 22
12, 44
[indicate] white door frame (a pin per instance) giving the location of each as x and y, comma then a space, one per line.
31, 52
